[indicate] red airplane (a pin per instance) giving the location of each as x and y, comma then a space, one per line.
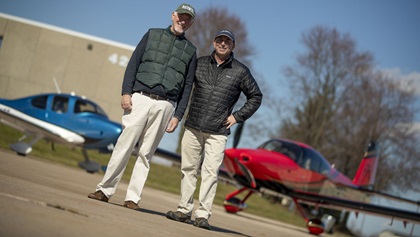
288, 168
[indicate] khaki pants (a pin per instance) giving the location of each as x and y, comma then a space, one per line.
205, 151
145, 124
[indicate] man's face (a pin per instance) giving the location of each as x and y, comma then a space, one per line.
223, 45
181, 22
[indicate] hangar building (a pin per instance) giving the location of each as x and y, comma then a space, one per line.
33, 55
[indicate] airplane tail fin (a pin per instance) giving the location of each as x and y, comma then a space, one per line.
365, 175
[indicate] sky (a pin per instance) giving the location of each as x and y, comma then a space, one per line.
389, 29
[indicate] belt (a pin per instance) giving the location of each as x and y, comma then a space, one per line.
153, 96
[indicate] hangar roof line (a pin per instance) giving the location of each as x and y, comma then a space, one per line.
69, 32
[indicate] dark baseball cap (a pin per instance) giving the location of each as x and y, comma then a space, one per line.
187, 9
226, 33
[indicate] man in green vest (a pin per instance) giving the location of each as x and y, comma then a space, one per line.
155, 91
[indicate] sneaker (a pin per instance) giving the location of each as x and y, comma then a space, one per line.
202, 223
131, 205
98, 195
178, 216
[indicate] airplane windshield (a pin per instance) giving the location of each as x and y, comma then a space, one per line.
86, 106
291, 150
312, 160
305, 157
40, 102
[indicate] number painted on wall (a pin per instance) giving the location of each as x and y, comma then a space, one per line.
120, 60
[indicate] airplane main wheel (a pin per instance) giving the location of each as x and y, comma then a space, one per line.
231, 209
315, 226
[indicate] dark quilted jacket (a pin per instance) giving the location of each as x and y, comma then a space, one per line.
216, 91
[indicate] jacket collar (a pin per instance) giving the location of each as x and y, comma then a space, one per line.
227, 62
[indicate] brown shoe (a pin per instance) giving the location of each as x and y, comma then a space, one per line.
131, 205
98, 195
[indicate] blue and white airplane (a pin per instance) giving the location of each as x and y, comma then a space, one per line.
60, 118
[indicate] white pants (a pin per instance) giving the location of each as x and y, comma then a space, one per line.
206, 151
146, 124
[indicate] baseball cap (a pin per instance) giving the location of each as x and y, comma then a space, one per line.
186, 8
227, 34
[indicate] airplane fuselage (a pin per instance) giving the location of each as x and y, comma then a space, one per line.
282, 163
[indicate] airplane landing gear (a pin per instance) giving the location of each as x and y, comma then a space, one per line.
315, 226
89, 165
233, 204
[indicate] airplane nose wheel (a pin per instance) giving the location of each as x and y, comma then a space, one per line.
233, 204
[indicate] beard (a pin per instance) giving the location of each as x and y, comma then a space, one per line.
178, 29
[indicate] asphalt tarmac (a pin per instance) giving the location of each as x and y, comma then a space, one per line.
41, 198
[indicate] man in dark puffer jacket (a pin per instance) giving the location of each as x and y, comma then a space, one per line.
219, 81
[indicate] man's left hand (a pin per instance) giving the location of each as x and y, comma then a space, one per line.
230, 121
173, 124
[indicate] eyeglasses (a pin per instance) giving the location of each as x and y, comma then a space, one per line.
219, 40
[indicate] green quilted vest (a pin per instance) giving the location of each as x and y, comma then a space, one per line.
165, 61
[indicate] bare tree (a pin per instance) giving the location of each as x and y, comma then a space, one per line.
319, 79
344, 104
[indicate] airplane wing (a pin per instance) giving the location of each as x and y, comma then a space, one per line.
35, 127
340, 197
331, 202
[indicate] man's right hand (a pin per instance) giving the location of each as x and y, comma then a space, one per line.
126, 102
